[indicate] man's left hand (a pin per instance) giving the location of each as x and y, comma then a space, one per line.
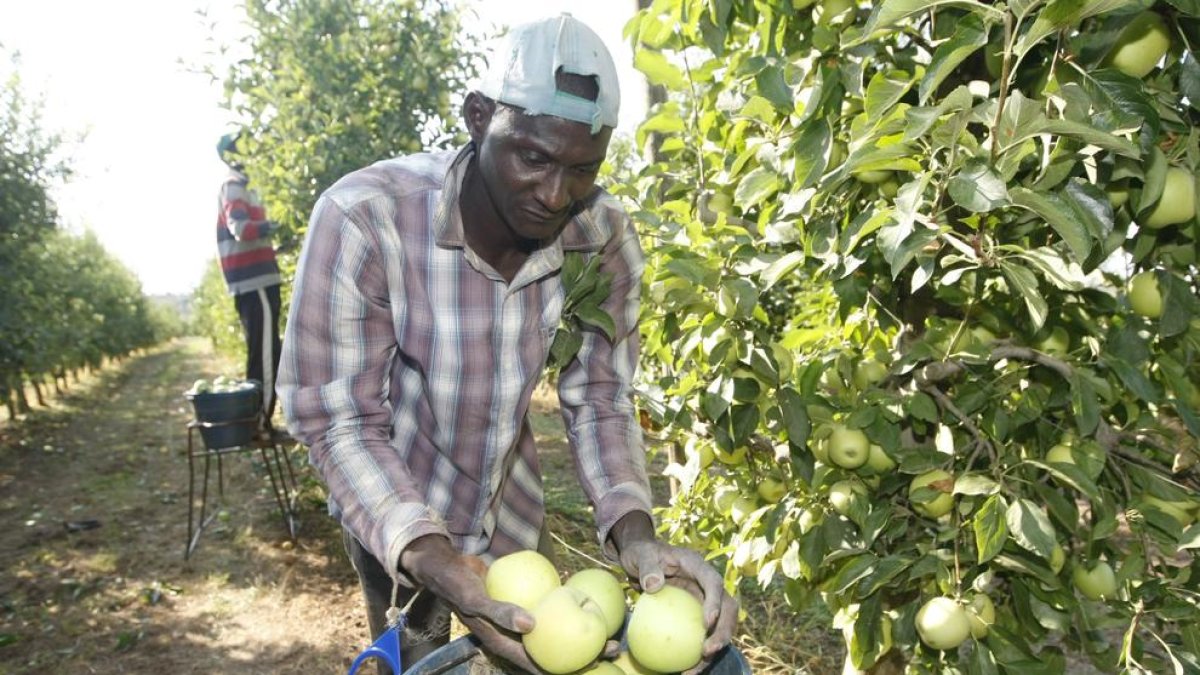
651, 564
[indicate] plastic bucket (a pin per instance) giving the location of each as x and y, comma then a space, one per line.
456, 658
227, 419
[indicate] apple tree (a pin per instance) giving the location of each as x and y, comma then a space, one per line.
921, 315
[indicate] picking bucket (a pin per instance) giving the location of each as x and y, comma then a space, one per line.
227, 419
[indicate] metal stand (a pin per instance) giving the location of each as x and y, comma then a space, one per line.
275, 459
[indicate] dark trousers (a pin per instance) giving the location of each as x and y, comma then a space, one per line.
259, 313
428, 626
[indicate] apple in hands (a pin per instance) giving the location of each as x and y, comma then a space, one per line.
522, 578
666, 630
604, 588
569, 633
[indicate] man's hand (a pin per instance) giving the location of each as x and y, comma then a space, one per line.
456, 578
651, 563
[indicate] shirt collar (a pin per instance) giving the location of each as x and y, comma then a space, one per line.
582, 233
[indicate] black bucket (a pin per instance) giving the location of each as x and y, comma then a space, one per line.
227, 419
458, 657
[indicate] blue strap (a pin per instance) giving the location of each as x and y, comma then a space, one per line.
385, 648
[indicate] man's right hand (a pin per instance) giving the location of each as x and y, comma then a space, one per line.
436, 566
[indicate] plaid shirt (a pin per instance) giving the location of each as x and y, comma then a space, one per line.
409, 364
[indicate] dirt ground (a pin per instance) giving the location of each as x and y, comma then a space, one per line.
121, 598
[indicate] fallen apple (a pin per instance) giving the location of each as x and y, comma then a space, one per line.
666, 630
569, 632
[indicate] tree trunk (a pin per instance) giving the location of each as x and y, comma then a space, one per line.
37, 390
22, 402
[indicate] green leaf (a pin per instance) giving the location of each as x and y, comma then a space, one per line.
884, 91
969, 35
1085, 404
595, 316
811, 150
774, 88
658, 70
1090, 134
922, 407
975, 484
1055, 211
566, 344
1156, 176
890, 12
1132, 377
1091, 207
1189, 79
1031, 528
1180, 305
1025, 283
756, 187
1071, 475
795, 416
977, 187
780, 268
991, 528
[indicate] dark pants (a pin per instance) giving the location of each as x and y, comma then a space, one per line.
259, 312
428, 626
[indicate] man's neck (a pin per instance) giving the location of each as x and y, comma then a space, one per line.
485, 232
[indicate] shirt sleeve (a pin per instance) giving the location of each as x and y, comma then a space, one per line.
596, 392
244, 216
337, 355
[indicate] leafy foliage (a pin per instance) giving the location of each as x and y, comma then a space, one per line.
951, 191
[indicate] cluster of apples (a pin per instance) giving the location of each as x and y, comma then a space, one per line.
220, 385
574, 620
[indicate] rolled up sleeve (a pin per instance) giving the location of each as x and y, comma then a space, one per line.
333, 384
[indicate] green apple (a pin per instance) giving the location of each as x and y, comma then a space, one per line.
872, 177
568, 633
820, 449
201, 386
1058, 558
720, 202
733, 458
942, 623
1057, 343
723, 499
741, 508
869, 372
630, 666
1097, 583
1144, 296
703, 452
1178, 201
771, 490
844, 493
878, 461
1118, 193
666, 630
939, 505
1060, 454
848, 448
522, 578
809, 518
603, 668
1141, 45
889, 188
604, 588
981, 614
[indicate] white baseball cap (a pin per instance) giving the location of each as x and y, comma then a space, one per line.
522, 70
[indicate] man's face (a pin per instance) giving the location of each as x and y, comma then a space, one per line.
538, 168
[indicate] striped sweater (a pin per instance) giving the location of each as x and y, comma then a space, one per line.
244, 238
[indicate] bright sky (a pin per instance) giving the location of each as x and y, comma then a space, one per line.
146, 176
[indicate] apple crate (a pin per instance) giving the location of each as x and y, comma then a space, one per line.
463, 656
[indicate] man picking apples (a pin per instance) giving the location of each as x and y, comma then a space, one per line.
426, 300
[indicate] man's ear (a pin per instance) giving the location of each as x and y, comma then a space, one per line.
477, 113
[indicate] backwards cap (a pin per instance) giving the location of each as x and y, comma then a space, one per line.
522, 69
